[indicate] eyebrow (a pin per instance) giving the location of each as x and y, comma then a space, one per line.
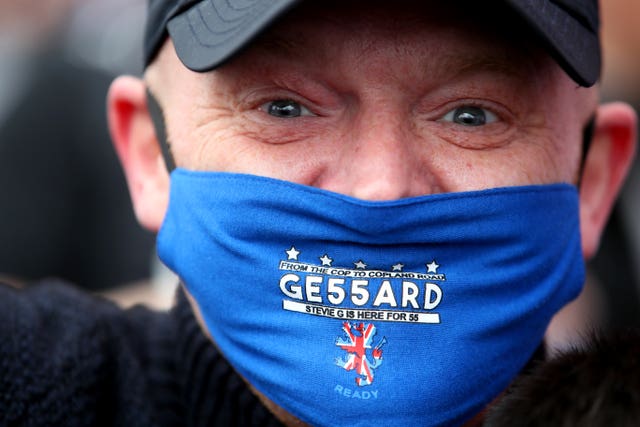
497, 63
288, 47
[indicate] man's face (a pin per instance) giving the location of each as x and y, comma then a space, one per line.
397, 100
380, 104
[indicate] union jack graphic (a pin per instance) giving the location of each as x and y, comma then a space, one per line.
356, 341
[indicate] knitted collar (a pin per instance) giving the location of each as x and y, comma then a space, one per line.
212, 392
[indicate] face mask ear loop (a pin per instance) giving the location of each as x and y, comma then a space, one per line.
155, 111
587, 138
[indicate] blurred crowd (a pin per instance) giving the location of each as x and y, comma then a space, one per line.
617, 266
64, 207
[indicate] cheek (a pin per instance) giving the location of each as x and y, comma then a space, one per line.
310, 161
521, 163
236, 149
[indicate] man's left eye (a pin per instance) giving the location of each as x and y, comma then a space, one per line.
285, 109
470, 116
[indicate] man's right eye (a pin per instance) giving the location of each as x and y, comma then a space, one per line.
285, 109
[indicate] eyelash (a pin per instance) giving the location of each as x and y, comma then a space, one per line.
305, 111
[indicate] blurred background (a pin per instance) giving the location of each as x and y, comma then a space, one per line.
64, 207
622, 70
611, 298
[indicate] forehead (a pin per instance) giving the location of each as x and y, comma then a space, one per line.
416, 41
490, 34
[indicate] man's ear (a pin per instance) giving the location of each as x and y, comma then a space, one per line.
608, 161
135, 141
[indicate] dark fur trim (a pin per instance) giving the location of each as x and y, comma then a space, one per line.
597, 385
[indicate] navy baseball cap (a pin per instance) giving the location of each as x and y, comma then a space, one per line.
208, 32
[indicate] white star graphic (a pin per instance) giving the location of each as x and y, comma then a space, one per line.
326, 261
398, 267
432, 267
293, 253
360, 265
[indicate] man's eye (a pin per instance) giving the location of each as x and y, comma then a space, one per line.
470, 116
286, 109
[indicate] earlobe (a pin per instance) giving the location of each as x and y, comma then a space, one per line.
135, 142
607, 164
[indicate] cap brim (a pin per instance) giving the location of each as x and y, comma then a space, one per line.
214, 30
568, 41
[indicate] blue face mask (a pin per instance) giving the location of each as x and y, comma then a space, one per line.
347, 312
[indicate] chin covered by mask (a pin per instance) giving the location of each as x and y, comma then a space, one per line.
348, 312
